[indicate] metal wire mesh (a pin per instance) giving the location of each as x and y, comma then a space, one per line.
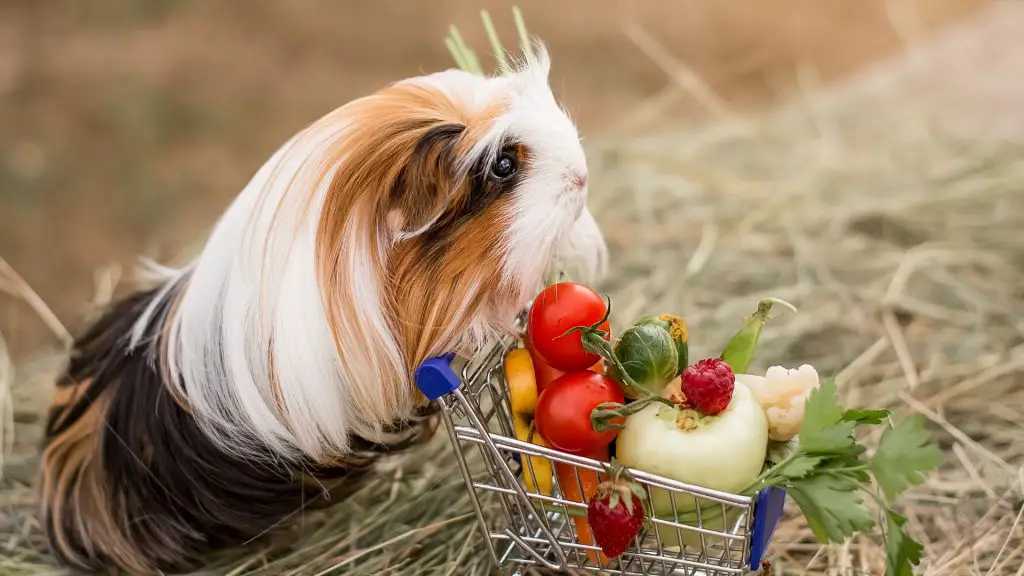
698, 532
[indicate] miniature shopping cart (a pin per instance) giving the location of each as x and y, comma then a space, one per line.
709, 533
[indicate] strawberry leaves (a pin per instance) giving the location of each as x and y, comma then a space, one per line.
826, 473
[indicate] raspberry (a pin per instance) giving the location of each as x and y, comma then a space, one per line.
708, 385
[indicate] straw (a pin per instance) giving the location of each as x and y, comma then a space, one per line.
899, 243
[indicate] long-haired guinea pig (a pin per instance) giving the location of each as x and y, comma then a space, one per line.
218, 404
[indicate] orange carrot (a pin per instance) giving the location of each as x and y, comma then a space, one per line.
589, 482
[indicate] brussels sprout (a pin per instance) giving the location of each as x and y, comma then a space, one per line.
676, 328
648, 355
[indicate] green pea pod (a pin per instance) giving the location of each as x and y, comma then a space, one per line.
648, 354
676, 327
739, 352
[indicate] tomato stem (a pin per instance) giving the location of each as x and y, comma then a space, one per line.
593, 327
595, 341
602, 415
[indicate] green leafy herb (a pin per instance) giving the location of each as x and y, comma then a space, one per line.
902, 552
798, 467
825, 472
824, 431
836, 507
866, 416
903, 458
779, 450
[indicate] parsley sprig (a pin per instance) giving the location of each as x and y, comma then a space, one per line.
825, 471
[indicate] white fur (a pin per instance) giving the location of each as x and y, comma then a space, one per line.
583, 254
548, 202
239, 302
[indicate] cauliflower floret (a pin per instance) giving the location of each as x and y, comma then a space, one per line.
782, 393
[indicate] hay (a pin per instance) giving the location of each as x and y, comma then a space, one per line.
900, 244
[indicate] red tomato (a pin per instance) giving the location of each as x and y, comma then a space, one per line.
558, 309
563, 412
544, 373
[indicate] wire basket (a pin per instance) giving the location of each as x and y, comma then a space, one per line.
708, 533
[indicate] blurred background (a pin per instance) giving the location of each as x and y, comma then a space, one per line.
861, 159
127, 126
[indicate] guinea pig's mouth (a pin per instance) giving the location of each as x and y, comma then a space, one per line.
576, 200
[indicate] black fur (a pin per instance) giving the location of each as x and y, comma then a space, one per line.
484, 192
178, 495
442, 134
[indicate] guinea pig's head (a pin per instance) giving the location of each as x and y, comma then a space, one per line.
469, 185
409, 223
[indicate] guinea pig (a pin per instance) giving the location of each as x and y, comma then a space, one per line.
271, 373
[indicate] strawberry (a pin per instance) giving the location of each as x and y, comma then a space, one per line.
708, 386
616, 513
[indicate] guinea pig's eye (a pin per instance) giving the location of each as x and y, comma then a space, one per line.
504, 167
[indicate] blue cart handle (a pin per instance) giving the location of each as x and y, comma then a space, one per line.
435, 377
767, 512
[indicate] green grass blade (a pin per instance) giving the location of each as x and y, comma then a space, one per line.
492, 37
472, 63
524, 36
453, 49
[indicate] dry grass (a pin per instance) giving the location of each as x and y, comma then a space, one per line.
126, 127
899, 243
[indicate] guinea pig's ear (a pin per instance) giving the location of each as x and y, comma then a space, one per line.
424, 184
540, 60
534, 63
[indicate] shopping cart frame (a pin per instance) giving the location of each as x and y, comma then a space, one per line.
719, 534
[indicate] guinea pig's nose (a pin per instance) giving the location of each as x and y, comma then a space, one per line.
579, 180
